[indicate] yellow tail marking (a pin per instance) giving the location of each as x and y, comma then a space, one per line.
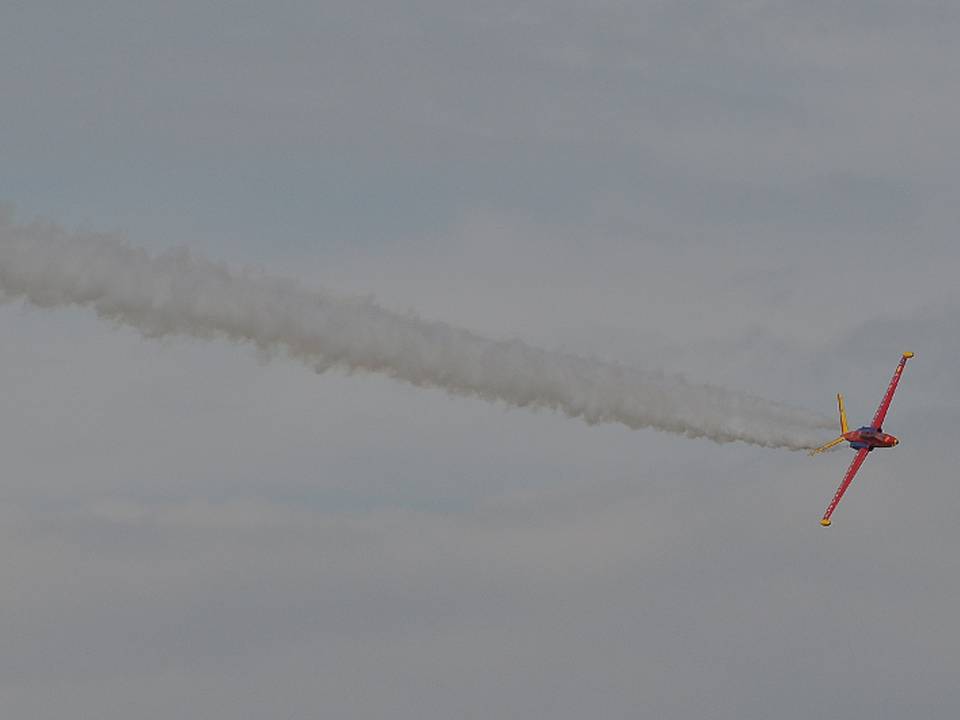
824, 448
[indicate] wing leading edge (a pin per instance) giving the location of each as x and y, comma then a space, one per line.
877, 421
847, 479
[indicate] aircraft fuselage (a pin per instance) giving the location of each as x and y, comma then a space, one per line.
869, 438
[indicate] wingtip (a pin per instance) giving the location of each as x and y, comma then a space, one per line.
825, 522
908, 355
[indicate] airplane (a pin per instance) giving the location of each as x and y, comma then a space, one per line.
864, 440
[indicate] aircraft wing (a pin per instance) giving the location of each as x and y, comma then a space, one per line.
851, 471
877, 421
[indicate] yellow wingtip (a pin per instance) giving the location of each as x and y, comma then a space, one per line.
825, 522
908, 355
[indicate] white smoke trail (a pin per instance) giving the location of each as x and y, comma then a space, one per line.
179, 293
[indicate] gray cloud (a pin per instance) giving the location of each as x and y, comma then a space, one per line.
759, 195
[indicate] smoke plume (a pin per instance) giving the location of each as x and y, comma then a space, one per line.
178, 293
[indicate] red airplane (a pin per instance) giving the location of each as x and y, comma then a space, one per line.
865, 439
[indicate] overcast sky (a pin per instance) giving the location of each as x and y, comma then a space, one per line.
761, 195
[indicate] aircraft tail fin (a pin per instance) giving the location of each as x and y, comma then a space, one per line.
843, 428
831, 444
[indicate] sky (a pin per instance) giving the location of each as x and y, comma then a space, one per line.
757, 195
